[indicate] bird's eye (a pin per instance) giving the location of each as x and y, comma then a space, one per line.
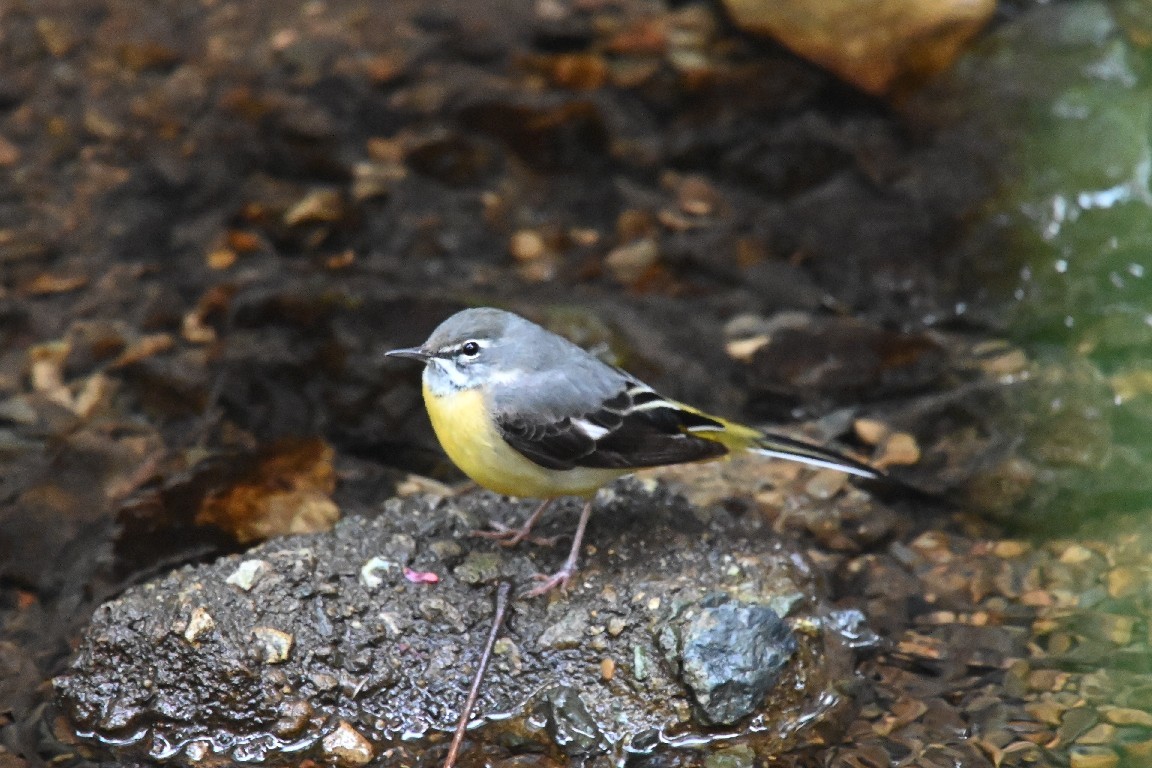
470, 349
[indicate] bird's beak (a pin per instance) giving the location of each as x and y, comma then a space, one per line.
414, 353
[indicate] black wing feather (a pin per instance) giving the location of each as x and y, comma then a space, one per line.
633, 439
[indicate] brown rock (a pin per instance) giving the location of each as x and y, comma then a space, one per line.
900, 449
347, 747
870, 43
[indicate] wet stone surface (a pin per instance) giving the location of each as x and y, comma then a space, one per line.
674, 626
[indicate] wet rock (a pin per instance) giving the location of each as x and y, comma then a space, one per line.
730, 654
568, 721
739, 756
195, 659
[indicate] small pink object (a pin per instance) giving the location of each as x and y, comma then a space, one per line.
420, 577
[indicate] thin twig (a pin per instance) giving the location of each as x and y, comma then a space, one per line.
502, 593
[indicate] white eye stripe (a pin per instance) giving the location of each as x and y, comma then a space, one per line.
456, 349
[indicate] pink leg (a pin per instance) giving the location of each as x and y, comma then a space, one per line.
562, 576
510, 537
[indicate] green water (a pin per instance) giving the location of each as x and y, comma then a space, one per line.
1067, 89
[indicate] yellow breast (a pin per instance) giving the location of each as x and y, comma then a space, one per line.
470, 438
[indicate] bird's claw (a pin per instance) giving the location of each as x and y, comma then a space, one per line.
507, 536
548, 583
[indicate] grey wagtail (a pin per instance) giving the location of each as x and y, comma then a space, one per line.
524, 412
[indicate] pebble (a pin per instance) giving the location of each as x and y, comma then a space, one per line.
1045, 710
629, 263
479, 567
275, 644
9, 153
221, 258
508, 654
199, 625
294, 714
1127, 716
870, 431
527, 245
1101, 733
696, 196
744, 349
346, 747
247, 574
738, 756
1010, 548
318, 206
1076, 554
825, 484
1076, 722
1092, 757
1113, 627
566, 633
900, 449
370, 572
1007, 364
1124, 582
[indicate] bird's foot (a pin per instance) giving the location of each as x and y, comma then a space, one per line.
548, 583
565, 574
507, 536
510, 537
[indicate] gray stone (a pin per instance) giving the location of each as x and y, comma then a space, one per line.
730, 655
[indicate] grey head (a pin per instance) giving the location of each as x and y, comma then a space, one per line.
487, 346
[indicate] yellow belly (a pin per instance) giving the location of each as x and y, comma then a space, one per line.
470, 439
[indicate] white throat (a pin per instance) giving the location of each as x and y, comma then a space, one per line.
442, 377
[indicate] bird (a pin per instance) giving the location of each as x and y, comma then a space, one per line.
527, 413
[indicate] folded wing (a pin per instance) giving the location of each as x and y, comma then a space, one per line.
631, 429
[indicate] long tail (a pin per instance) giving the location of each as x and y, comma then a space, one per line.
783, 447
735, 437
